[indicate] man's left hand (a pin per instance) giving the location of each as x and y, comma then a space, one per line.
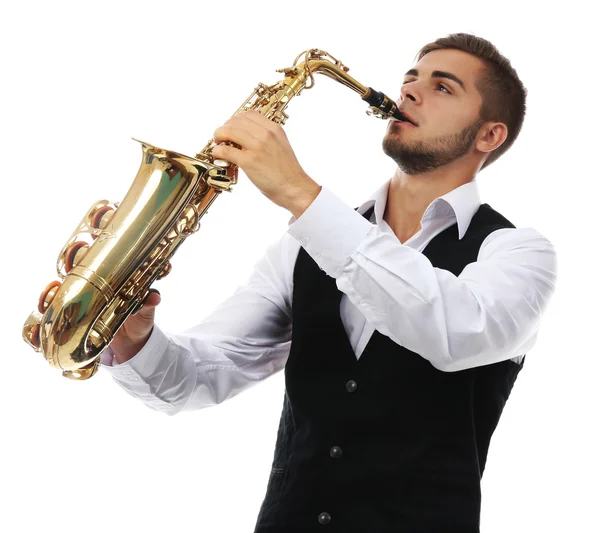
267, 158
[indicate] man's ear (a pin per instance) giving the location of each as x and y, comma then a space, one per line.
491, 136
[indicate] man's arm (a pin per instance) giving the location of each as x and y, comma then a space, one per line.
245, 340
491, 312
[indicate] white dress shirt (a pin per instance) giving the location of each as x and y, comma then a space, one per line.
491, 312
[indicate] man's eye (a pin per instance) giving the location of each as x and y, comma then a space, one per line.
445, 89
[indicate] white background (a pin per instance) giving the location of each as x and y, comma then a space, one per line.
80, 79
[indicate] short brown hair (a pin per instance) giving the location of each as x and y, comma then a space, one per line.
502, 91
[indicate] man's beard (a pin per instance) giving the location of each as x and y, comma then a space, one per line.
425, 156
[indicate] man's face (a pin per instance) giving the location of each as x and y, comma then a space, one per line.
439, 95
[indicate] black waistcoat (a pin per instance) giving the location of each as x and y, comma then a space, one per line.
386, 443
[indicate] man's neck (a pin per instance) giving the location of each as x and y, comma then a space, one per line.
409, 196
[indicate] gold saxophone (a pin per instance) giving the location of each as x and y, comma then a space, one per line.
119, 249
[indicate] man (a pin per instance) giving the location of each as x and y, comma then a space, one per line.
408, 318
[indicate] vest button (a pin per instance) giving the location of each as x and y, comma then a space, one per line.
335, 452
351, 386
324, 518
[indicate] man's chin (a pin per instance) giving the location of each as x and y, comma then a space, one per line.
411, 162
392, 142
395, 148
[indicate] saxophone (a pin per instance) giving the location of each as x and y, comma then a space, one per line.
118, 250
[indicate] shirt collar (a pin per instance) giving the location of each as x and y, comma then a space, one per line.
459, 204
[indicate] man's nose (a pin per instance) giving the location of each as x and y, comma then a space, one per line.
410, 91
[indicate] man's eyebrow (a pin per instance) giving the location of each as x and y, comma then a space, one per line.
439, 74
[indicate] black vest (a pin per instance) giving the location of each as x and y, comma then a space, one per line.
386, 443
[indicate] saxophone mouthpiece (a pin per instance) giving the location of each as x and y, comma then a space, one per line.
382, 106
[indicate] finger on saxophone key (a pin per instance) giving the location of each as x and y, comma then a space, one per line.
136, 330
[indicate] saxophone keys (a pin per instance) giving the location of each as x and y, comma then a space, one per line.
221, 163
218, 178
48, 295
31, 334
100, 218
36, 340
31, 330
165, 270
74, 253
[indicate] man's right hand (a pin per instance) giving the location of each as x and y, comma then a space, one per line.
136, 330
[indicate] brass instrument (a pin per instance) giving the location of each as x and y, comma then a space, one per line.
119, 249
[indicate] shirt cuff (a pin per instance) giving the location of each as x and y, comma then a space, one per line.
330, 231
141, 365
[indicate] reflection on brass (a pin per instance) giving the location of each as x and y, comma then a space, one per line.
122, 248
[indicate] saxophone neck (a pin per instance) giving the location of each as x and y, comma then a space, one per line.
271, 100
319, 61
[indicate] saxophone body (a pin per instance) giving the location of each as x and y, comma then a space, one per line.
118, 250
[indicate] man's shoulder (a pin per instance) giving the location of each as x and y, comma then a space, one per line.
486, 215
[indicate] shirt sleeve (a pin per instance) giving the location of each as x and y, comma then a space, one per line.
489, 313
245, 340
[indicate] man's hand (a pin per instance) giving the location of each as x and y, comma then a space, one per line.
267, 158
136, 330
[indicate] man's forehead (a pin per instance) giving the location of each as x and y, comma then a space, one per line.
460, 63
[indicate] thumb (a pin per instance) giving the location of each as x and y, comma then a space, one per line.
150, 303
153, 298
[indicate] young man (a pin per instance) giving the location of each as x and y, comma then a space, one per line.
402, 325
